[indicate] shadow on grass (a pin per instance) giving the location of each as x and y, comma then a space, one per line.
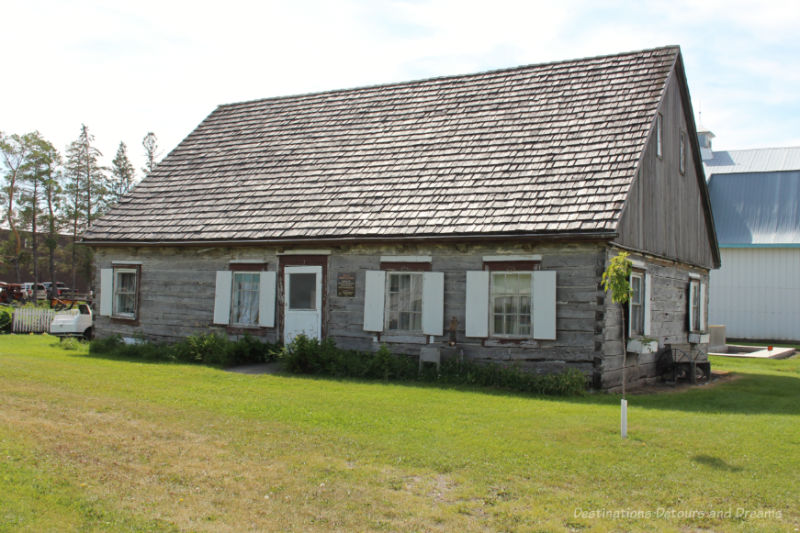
126, 358
716, 463
749, 393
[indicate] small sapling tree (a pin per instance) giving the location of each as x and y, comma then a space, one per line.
616, 279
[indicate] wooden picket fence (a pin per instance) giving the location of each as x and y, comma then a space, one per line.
32, 320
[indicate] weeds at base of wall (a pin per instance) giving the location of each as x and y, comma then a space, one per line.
211, 349
324, 358
310, 356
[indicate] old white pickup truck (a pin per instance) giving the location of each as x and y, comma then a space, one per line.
72, 323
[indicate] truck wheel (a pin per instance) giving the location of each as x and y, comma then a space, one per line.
87, 335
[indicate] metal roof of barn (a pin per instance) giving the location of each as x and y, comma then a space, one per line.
754, 160
756, 209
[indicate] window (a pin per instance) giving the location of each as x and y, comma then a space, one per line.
636, 305
511, 304
245, 298
119, 291
125, 292
696, 311
404, 301
404, 297
682, 153
659, 135
303, 291
511, 299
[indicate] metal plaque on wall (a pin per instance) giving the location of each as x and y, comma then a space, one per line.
346, 285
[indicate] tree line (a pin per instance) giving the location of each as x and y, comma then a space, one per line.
49, 194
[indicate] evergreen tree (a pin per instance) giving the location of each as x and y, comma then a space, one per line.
14, 150
41, 177
87, 186
123, 174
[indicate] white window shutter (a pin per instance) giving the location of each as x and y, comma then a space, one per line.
648, 281
702, 306
222, 298
433, 303
544, 304
106, 291
374, 294
477, 304
266, 300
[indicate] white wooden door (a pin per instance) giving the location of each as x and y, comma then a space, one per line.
302, 307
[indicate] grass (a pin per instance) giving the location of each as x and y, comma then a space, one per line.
100, 444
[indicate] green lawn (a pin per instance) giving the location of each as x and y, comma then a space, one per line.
99, 444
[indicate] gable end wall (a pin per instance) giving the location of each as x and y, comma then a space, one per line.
664, 213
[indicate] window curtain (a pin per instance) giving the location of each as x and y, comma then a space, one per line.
245, 298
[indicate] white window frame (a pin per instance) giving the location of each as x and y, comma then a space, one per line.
256, 320
223, 299
115, 312
388, 312
696, 303
647, 286
479, 310
636, 330
493, 295
376, 300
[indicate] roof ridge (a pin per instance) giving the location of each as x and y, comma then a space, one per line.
758, 149
674, 49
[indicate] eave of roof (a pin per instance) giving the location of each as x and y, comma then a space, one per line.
478, 237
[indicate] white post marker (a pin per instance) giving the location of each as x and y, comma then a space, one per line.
623, 419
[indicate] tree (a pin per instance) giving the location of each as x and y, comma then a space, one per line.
123, 174
14, 149
43, 178
616, 280
87, 185
35, 171
151, 152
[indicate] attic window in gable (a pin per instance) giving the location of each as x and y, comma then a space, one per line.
660, 135
682, 153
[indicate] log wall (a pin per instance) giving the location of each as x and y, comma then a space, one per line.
178, 287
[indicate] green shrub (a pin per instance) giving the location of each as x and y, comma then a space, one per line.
68, 343
310, 356
5, 319
105, 345
251, 350
209, 349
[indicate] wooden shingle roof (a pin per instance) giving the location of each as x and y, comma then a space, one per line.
542, 149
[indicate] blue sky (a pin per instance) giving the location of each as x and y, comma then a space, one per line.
126, 68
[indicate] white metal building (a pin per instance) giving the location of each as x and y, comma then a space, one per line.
755, 198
